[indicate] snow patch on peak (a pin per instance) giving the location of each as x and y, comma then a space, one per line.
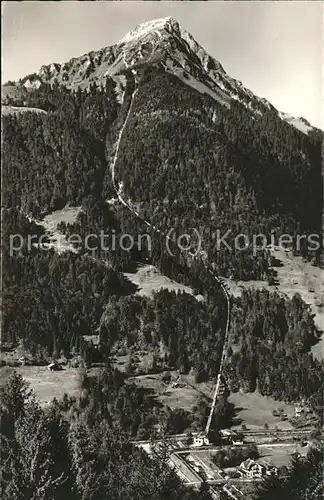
147, 27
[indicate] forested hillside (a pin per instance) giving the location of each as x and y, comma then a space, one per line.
50, 300
191, 162
270, 339
58, 157
186, 160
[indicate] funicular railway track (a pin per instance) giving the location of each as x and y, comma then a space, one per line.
118, 190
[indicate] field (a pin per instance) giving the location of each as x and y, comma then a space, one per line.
50, 222
14, 110
185, 395
149, 280
14, 93
254, 410
46, 384
251, 409
294, 276
280, 454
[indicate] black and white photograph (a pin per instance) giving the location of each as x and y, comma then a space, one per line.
162, 265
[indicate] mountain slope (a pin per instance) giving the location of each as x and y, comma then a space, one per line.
199, 150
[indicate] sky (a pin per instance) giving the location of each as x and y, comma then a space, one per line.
274, 48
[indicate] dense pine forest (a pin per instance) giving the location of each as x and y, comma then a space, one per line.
52, 300
54, 158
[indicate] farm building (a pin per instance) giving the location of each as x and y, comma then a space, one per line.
200, 440
299, 411
230, 437
53, 367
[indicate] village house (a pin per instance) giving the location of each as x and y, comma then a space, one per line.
256, 470
299, 411
251, 469
200, 440
270, 470
23, 360
226, 435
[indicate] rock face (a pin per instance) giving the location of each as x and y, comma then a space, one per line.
164, 42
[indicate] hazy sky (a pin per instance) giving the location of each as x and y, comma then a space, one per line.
274, 48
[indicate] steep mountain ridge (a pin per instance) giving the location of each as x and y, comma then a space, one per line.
198, 149
161, 41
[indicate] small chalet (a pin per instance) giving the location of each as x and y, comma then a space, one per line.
270, 470
226, 435
53, 367
299, 411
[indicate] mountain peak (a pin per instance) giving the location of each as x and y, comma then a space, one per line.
148, 27
160, 42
